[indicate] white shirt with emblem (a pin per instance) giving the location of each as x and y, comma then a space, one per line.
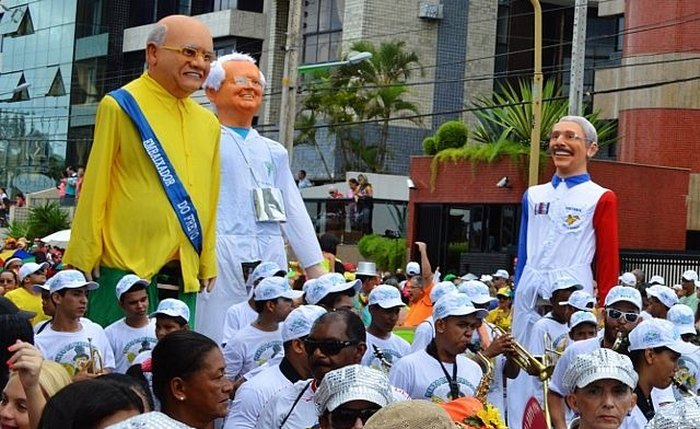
421, 376
393, 349
250, 348
72, 349
128, 342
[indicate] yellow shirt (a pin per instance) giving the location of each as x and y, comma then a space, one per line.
124, 219
500, 318
27, 301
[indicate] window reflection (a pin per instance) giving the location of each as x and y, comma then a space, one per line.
322, 30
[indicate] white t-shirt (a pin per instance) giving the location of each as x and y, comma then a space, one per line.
250, 348
128, 342
71, 349
252, 396
237, 317
281, 406
425, 332
393, 349
421, 376
46, 323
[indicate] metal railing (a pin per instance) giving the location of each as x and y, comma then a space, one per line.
669, 265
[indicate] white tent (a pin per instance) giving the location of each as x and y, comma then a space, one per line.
58, 239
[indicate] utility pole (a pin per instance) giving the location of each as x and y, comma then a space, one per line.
289, 80
536, 99
578, 58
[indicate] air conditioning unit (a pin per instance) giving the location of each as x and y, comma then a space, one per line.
429, 11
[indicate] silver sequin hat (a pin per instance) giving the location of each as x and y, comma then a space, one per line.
684, 414
353, 383
600, 364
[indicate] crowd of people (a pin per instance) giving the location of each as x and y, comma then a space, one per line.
176, 307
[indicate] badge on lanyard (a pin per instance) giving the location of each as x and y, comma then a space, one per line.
269, 205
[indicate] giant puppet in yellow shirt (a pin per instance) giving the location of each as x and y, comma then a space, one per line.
124, 219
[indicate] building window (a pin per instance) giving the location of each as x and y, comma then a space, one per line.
88, 81
17, 22
89, 19
322, 30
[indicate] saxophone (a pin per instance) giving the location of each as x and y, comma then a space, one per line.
683, 388
485, 383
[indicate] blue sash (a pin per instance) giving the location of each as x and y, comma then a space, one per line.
177, 195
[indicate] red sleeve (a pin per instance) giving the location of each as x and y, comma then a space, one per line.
607, 253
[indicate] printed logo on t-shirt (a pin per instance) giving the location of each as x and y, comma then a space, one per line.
137, 346
390, 356
267, 351
439, 390
573, 218
73, 356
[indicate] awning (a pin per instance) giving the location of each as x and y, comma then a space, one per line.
12, 19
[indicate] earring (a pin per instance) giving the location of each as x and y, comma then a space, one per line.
180, 398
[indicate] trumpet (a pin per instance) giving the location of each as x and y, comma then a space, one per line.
95, 364
525, 360
621, 343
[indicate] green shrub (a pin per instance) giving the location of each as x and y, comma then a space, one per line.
46, 219
18, 229
388, 253
451, 134
430, 146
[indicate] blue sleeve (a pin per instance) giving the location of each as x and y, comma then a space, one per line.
522, 241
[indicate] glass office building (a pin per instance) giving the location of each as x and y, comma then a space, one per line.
35, 78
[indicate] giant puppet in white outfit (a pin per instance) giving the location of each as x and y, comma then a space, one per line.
565, 224
249, 162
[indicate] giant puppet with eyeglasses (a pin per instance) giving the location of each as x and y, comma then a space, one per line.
259, 203
148, 200
566, 224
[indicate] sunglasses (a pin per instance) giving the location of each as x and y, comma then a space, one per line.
617, 315
328, 348
344, 418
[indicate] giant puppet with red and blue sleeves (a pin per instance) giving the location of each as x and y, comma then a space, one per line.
566, 224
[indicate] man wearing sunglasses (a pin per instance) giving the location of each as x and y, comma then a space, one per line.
337, 339
252, 396
622, 307
565, 224
148, 200
255, 176
441, 372
25, 297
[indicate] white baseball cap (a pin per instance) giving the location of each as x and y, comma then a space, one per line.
624, 293
691, 276
664, 294
486, 278
580, 317
628, 279
327, 284
469, 276
456, 304
127, 282
652, 333
476, 291
580, 300
174, 308
601, 364
273, 288
70, 279
657, 280
683, 318
385, 296
30, 268
502, 274
441, 289
265, 269
412, 268
299, 322
565, 283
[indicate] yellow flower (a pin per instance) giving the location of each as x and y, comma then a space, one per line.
491, 418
